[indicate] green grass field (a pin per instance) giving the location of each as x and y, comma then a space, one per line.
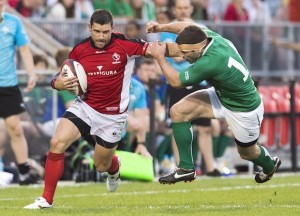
238, 195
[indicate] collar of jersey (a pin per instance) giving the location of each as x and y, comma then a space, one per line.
211, 40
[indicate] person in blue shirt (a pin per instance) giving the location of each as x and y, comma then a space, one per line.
13, 36
138, 119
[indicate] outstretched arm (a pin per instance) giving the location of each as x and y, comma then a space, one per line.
172, 50
174, 27
285, 44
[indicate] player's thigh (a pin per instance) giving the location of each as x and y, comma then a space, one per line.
195, 105
65, 134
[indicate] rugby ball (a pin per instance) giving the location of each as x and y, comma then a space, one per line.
71, 68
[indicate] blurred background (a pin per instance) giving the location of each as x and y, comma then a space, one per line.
263, 31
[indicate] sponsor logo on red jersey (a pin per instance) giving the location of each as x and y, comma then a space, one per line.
102, 72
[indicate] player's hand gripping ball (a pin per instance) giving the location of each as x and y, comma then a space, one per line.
72, 68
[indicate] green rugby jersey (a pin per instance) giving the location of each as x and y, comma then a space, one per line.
222, 66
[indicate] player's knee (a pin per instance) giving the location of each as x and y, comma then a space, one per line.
176, 113
57, 145
16, 131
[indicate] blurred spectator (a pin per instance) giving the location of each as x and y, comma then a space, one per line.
64, 99
222, 138
132, 29
164, 15
138, 119
286, 44
83, 9
62, 10
200, 9
275, 6
294, 10
40, 63
36, 98
118, 8
161, 4
143, 9
28, 8
147, 70
216, 9
259, 12
236, 11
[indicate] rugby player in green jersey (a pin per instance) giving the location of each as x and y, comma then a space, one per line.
232, 96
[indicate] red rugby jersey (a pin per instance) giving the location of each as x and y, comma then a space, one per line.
108, 71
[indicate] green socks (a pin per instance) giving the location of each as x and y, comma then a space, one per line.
265, 161
220, 144
183, 134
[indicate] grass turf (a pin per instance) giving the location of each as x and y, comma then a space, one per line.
238, 195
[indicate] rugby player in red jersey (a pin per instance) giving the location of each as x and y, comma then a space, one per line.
108, 59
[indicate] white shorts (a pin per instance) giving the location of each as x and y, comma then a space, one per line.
245, 126
107, 127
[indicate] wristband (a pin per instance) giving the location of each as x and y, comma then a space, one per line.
53, 83
143, 143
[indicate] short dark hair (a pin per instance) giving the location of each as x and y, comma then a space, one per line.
61, 55
102, 17
40, 58
191, 35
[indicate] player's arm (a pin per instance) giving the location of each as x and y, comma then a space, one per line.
29, 67
174, 27
172, 50
158, 52
286, 44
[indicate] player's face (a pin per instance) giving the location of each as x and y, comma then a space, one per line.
101, 34
191, 56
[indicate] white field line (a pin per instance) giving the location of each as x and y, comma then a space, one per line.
200, 178
151, 207
134, 193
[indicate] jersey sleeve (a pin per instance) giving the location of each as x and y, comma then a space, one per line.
21, 37
201, 70
135, 47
